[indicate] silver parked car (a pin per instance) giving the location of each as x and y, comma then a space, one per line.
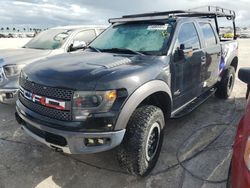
48, 43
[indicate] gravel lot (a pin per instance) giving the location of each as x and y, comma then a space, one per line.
196, 151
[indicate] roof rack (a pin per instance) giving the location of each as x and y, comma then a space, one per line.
209, 12
212, 12
219, 11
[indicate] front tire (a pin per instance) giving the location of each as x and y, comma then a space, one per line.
225, 86
142, 142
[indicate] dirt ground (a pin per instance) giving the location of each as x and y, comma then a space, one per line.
196, 151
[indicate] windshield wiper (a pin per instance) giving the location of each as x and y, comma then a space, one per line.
95, 49
122, 50
38, 48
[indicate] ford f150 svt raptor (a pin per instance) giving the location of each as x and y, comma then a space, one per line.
51, 42
139, 72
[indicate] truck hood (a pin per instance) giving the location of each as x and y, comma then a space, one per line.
78, 71
22, 55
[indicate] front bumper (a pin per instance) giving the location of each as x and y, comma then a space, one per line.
8, 96
67, 141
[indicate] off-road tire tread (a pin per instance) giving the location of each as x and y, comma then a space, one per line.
130, 154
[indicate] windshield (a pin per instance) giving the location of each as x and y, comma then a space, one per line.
49, 40
147, 38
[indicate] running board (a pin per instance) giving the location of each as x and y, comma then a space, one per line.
193, 104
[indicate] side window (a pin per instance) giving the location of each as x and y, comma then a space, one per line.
86, 36
209, 34
188, 37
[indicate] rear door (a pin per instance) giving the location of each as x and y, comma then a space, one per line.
186, 65
212, 48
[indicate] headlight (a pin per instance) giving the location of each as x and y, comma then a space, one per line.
12, 70
85, 103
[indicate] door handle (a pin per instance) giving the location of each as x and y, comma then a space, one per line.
203, 58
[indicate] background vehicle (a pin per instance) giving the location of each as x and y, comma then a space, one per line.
240, 167
48, 43
245, 35
228, 35
138, 73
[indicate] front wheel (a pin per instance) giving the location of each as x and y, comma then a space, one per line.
142, 142
225, 86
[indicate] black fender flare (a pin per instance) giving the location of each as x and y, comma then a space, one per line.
137, 97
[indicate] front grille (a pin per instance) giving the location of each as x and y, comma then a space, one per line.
43, 110
56, 93
49, 137
50, 92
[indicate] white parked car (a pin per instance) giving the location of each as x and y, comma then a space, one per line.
48, 43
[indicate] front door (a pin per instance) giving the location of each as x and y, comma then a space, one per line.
186, 66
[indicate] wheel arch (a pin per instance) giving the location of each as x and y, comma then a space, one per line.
234, 63
146, 94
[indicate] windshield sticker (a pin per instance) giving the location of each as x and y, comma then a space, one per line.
158, 27
165, 34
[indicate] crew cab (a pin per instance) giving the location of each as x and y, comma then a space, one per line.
141, 71
51, 42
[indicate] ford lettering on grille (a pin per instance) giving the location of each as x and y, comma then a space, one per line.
51, 103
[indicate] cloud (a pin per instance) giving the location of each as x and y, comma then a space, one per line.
58, 12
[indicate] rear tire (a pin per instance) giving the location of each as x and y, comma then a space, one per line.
142, 142
225, 86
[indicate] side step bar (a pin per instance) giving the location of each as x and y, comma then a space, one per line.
193, 104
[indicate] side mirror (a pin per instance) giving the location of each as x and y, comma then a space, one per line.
182, 53
185, 51
77, 45
182, 47
244, 76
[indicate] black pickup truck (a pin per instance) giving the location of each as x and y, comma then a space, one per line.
119, 92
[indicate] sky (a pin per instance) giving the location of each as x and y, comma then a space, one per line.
49, 13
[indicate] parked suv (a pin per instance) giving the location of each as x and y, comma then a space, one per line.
138, 73
48, 43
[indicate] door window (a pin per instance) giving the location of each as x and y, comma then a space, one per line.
188, 37
86, 36
209, 35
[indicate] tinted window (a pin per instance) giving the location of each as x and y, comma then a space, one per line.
188, 37
86, 36
209, 35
